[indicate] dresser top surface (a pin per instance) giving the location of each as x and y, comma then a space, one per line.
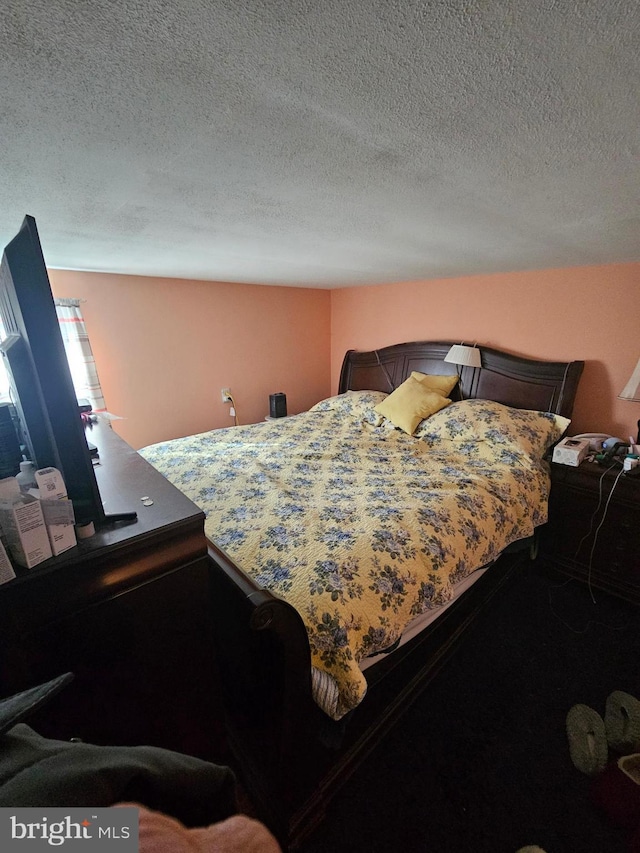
124, 478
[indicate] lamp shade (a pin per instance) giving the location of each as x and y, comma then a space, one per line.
631, 390
463, 354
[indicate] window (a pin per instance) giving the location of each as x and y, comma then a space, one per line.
5, 390
79, 355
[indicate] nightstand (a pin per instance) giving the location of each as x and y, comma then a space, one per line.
577, 520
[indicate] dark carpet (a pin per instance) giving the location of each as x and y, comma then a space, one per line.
480, 762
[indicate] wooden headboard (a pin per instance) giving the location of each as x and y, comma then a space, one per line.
524, 383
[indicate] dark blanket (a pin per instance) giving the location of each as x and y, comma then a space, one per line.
40, 772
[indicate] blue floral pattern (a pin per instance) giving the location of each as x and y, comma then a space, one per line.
358, 525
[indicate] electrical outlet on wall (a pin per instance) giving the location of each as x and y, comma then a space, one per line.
225, 393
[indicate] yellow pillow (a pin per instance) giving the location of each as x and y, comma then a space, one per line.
442, 384
410, 403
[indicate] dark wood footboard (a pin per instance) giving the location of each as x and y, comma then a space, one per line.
291, 757
264, 668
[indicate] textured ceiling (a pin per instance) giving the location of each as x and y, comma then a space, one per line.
322, 142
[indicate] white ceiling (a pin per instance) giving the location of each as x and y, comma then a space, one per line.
321, 142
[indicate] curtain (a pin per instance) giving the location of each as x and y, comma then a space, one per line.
79, 353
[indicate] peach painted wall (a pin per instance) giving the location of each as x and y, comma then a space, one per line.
164, 348
588, 313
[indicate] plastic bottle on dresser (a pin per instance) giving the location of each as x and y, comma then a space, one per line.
27, 476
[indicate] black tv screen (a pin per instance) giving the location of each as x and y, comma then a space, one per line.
41, 385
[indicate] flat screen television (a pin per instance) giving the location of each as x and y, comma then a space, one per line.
41, 385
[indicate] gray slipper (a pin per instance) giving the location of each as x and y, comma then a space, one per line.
622, 722
587, 740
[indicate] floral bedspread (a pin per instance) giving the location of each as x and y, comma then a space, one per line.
358, 525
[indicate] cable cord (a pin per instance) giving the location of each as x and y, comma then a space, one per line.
234, 411
595, 512
558, 406
595, 536
386, 372
590, 622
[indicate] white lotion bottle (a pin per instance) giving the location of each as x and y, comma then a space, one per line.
27, 476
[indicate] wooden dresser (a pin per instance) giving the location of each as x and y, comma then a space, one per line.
128, 611
593, 532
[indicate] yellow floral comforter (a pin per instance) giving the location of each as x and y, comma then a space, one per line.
358, 525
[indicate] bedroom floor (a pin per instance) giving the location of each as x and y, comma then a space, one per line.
481, 762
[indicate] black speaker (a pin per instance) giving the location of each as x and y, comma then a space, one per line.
278, 405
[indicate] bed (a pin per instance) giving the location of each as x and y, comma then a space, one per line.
337, 537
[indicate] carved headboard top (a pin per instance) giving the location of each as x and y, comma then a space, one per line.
524, 383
